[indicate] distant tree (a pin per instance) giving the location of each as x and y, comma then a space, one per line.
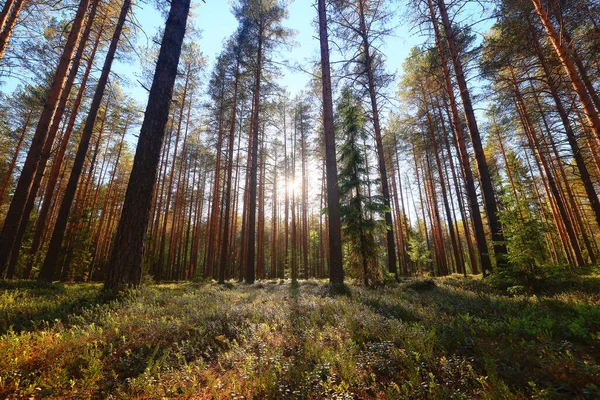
35, 159
47, 271
264, 19
360, 25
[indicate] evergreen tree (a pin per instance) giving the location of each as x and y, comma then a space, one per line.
358, 227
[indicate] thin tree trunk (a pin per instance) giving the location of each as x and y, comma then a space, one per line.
15, 215
533, 140
251, 244
569, 67
480, 239
487, 189
13, 161
47, 271
368, 63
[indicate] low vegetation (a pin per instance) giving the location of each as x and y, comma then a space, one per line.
444, 338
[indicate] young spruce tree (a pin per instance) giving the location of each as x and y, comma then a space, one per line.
357, 226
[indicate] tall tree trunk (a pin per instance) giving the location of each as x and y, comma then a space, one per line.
232, 125
569, 67
399, 230
13, 161
260, 237
47, 271
533, 141
458, 191
213, 235
484, 174
161, 255
336, 272
571, 137
436, 221
480, 239
305, 232
274, 221
15, 214
126, 259
368, 64
251, 241
41, 225
456, 252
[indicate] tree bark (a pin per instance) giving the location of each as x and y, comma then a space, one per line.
47, 271
336, 272
484, 175
368, 64
480, 239
569, 67
251, 234
13, 161
8, 22
126, 259
15, 214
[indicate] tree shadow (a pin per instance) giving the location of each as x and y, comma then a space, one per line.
44, 306
526, 342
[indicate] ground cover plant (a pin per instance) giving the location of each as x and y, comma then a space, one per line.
444, 338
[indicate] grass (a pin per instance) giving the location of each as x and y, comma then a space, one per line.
448, 338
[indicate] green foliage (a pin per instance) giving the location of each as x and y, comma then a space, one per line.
526, 248
523, 229
357, 207
419, 253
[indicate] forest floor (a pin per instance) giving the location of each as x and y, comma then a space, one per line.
432, 339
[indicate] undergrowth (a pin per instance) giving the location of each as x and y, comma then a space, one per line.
436, 339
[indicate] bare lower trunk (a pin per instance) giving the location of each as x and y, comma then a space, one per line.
336, 272
126, 260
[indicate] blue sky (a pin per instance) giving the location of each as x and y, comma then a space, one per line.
216, 22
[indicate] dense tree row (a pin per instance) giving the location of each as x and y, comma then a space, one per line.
232, 177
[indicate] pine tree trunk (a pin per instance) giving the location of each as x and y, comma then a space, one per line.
456, 252
368, 64
569, 67
251, 234
571, 138
15, 214
47, 271
13, 161
480, 239
274, 216
232, 125
305, 232
487, 189
533, 141
437, 221
213, 235
126, 259
336, 272
260, 239
458, 191
8, 22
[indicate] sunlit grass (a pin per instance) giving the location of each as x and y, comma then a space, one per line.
456, 338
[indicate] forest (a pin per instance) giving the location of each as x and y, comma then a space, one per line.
309, 199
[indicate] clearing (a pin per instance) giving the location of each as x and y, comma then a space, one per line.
445, 338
